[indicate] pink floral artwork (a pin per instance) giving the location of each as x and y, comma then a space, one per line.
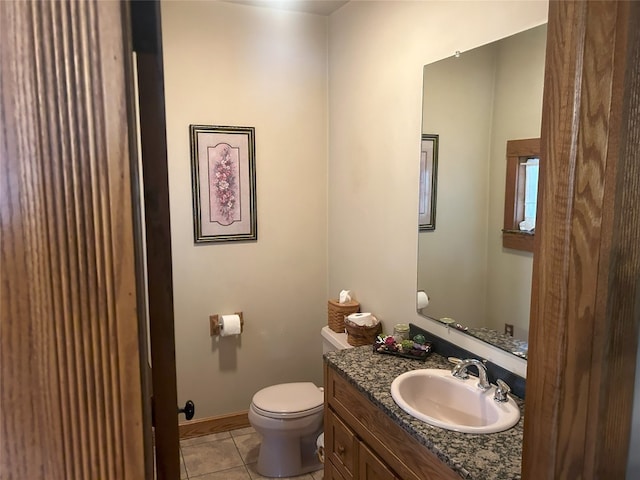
223, 169
224, 189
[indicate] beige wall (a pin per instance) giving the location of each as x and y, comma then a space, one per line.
376, 54
236, 65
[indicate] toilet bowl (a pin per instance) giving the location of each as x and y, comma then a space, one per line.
289, 418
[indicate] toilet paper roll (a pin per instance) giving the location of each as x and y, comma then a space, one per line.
230, 325
320, 447
363, 319
423, 299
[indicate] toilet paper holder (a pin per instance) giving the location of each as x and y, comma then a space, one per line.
215, 325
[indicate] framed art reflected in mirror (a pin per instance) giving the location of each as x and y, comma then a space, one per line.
428, 181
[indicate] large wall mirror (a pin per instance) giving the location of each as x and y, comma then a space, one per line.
475, 102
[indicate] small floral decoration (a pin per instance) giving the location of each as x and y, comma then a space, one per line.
225, 185
417, 348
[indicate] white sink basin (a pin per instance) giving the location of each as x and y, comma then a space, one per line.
438, 398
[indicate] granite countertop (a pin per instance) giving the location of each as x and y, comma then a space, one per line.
512, 345
496, 456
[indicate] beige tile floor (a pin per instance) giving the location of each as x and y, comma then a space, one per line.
225, 456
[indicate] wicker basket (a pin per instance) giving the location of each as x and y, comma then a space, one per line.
337, 311
359, 336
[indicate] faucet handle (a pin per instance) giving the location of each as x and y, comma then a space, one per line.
501, 392
459, 369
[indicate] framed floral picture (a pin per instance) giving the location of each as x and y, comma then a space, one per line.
223, 169
428, 177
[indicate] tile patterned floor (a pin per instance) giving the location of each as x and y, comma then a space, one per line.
225, 456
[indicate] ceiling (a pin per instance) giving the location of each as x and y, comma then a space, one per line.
317, 7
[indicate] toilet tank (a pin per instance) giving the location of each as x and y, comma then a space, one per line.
332, 341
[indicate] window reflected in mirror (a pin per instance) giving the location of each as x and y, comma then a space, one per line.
531, 174
521, 194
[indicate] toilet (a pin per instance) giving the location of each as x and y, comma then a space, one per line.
289, 418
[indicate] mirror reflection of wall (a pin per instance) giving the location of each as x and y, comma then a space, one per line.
475, 103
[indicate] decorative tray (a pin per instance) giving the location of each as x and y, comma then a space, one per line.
417, 348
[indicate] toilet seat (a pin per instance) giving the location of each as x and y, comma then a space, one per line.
289, 400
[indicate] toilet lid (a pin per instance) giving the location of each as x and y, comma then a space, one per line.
289, 399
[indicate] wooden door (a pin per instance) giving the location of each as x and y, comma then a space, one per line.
70, 382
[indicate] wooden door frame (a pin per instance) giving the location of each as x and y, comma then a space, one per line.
147, 43
585, 311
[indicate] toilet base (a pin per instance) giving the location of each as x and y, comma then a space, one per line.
300, 456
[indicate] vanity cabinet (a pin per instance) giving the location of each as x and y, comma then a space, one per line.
363, 443
350, 458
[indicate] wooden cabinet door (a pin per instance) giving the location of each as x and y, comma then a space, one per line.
341, 445
370, 467
332, 473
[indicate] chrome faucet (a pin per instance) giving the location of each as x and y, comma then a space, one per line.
460, 371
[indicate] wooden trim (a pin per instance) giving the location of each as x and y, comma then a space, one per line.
585, 321
514, 194
526, 147
518, 240
206, 426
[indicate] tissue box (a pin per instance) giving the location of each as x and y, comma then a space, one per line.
337, 311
